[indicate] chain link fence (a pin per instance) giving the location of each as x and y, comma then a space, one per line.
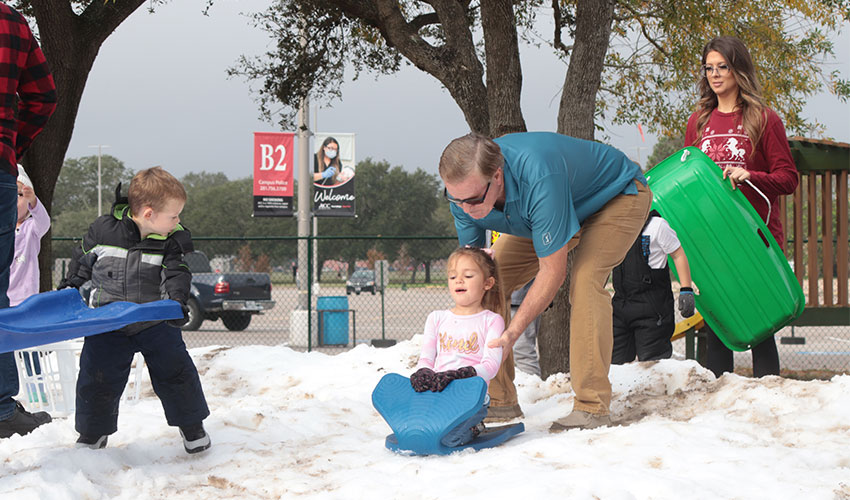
345, 312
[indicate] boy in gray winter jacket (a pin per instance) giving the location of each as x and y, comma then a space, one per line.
135, 254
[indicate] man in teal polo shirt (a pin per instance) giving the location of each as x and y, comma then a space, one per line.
549, 194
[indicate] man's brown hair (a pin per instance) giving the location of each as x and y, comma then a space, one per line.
154, 188
470, 153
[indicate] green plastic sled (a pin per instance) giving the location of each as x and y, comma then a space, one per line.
747, 290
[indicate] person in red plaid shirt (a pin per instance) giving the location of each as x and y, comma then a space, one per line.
27, 99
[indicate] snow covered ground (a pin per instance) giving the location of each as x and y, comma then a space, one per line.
286, 424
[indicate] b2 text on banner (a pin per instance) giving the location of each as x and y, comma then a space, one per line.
273, 174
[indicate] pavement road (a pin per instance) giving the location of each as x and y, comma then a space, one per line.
405, 311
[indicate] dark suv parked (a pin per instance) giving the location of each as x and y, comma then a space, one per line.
363, 280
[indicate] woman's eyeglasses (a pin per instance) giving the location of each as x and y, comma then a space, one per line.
468, 201
721, 70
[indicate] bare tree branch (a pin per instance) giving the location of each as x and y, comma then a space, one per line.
640, 19
558, 44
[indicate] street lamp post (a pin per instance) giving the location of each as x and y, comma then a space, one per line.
99, 198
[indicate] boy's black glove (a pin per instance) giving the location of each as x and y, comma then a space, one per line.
178, 323
71, 282
686, 301
423, 380
444, 378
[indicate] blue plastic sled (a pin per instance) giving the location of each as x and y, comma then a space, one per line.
420, 420
61, 315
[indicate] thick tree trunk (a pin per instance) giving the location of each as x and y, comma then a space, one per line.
576, 118
553, 335
455, 64
45, 158
578, 97
504, 72
70, 43
492, 109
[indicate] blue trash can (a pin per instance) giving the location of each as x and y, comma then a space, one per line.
333, 320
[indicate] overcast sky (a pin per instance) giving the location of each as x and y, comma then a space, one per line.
159, 95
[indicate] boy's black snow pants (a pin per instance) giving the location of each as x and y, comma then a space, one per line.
104, 368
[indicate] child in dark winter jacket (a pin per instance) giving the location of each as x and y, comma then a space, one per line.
644, 320
135, 254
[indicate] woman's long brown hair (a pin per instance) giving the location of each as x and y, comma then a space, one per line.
749, 90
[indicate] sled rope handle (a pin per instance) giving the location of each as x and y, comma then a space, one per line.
757, 190
687, 153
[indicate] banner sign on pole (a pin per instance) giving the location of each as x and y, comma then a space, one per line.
273, 174
333, 178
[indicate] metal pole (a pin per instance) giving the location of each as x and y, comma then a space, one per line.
383, 316
99, 196
304, 205
309, 304
316, 273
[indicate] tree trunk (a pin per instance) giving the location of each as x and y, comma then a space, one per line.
553, 334
427, 271
576, 119
70, 43
578, 97
504, 72
455, 62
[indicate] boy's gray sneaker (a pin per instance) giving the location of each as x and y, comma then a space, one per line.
22, 422
93, 442
195, 438
578, 419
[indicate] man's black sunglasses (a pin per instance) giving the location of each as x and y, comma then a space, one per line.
468, 201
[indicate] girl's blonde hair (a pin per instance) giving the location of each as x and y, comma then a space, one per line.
749, 90
493, 298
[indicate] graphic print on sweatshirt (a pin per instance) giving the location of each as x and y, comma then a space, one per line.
463, 345
728, 147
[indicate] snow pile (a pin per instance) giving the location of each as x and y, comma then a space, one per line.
286, 424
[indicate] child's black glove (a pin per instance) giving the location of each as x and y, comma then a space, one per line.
423, 380
686, 301
71, 282
444, 378
178, 323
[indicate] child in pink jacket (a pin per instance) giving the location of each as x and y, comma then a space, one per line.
455, 343
33, 223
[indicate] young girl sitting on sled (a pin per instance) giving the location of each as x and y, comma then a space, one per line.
455, 343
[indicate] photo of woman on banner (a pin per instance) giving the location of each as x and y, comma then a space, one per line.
333, 175
327, 166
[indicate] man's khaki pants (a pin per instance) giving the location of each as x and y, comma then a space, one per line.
601, 244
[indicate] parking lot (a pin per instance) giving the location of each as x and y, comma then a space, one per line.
405, 311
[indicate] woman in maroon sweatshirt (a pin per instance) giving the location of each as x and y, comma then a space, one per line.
734, 127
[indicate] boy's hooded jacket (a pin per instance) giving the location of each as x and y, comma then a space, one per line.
124, 267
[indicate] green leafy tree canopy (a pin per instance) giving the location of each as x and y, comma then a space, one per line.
77, 186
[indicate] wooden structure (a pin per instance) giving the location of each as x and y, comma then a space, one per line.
816, 228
